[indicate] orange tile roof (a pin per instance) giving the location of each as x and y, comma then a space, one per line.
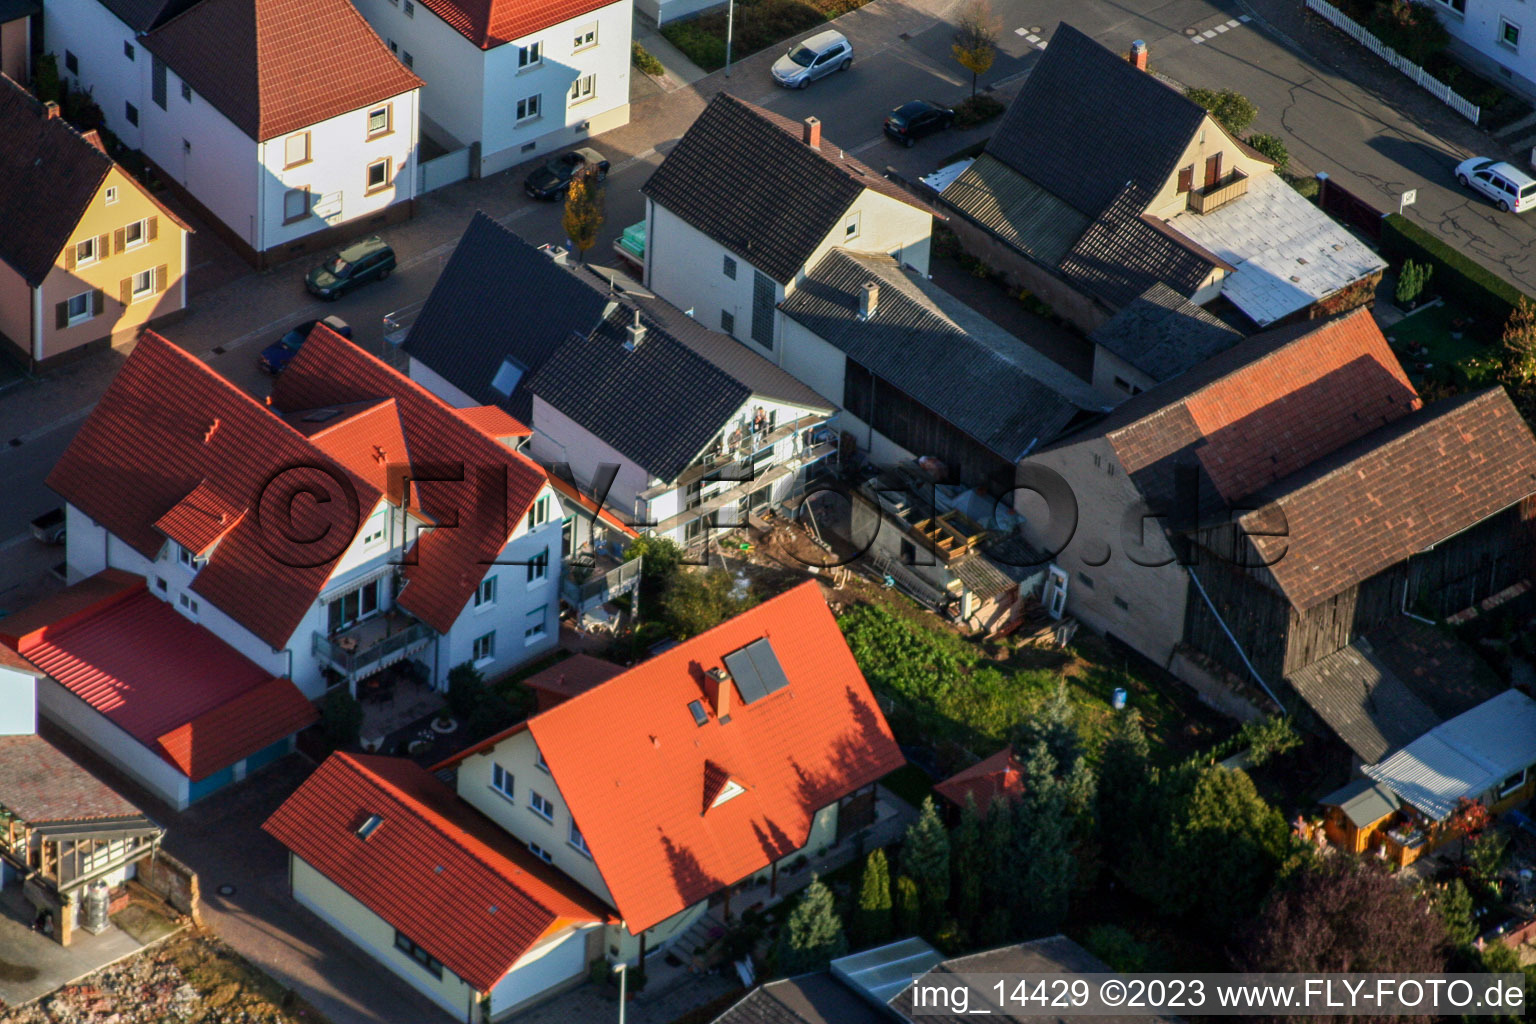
238, 728
497, 487
275, 66
201, 519
1002, 775
166, 425
448, 878
569, 677
367, 438
488, 23
496, 422
632, 764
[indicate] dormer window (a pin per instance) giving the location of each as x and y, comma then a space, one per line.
189, 558
729, 791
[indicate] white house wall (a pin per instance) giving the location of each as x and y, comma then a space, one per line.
663, 11
450, 64
336, 174
96, 37
554, 963
889, 226
1476, 36
815, 362
18, 703
686, 267
558, 438
96, 731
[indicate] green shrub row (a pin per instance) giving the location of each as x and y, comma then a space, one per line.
1478, 289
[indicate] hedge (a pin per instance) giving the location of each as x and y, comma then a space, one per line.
1476, 288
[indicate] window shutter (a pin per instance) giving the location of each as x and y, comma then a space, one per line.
1186, 178
69, 256
98, 302
61, 315
119, 239
125, 290
160, 275
154, 228
102, 243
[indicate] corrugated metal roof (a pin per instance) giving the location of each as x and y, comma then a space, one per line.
882, 973
1465, 757
1017, 210
1364, 801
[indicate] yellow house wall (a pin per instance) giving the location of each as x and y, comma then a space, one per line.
108, 273
1208, 141
376, 937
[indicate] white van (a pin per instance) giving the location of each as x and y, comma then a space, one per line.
1506, 185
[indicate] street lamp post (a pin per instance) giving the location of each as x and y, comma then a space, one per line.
730, 24
622, 974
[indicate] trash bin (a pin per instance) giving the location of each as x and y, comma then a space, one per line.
1117, 699
97, 899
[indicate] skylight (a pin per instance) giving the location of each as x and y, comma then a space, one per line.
506, 379
368, 827
699, 715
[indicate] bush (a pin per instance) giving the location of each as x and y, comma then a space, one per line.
978, 109
1272, 147
1305, 184
466, 690
1232, 110
1411, 28
695, 601
341, 718
642, 59
1118, 948
1411, 281
1474, 287
759, 24
45, 78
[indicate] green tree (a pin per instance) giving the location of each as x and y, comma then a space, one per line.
1453, 903
872, 925
1411, 281
45, 79
975, 45
1232, 110
695, 601
925, 859
908, 907
1230, 843
1271, 146
583, 212
466, 690
1520, 342
341, 718
1122, 805
997, 881
1118, 948
968, 861
1411, 28
1485, 859
1267, 738
813, 935
1044, 844
1055, 725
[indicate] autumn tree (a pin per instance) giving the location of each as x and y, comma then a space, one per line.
1520, 342
907, 906
813, 935
872, 924
583, 213
976, 34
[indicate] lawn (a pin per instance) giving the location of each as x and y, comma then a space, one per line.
758, 24
1441, 343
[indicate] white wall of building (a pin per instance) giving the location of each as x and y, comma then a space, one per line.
818, 364
663, 11
95, 36
1477, 36
436, 383
96, 731
452, 66
18, 702
558, 438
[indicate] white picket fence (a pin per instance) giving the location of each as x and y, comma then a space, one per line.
1444, 93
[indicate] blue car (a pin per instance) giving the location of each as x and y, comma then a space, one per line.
276, 356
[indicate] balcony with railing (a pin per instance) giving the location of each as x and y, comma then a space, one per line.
1212, 197
733, 461
371, 645
748, 482
594, 578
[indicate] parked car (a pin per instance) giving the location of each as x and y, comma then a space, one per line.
276, 356
553, 179
912, 121
49, 527
815, 58
357, 264
1507, 185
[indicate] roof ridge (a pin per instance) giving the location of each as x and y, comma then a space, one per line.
1449, 407
448, 829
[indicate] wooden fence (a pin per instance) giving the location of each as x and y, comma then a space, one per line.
1344, 205
1444, 93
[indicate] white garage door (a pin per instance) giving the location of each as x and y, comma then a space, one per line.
563, 962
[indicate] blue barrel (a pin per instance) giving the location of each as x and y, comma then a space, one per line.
1117, 699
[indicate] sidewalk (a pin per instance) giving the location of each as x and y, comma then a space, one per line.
680, 71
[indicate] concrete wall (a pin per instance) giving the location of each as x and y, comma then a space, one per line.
376, 937
1109, 370
18, 703
1098, 557
127, 754
663, 11
110, 269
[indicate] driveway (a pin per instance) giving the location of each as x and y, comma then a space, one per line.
32, 965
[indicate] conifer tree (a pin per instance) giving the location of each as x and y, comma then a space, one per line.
813, 935
872, 926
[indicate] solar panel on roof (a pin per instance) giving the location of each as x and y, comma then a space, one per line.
756, 670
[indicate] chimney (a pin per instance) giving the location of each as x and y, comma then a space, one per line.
50, 110
869, 300
1139, 55
811, 133
636, 333
717, 687
557, 253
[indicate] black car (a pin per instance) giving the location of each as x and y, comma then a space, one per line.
357, 264
551, 180
911, 121
276, 356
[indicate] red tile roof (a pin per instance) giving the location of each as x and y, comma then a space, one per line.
40, 783
275, 66
496, 422
606, 514
488, 23
169, 427
1398, 491
632, 763
166, 681
1267, 407
201, 519
490, 501
11, 660
1002, 775
451, 880
366, 437
574, 675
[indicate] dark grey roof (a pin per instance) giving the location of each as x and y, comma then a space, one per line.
659, 405
1086, 123
986, 382
742, 175
1123, 253
1162, 334
806, 999
10, 10
1363, 801
1446, 674
143, 15
499, 297
1017, 210
1364, 702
